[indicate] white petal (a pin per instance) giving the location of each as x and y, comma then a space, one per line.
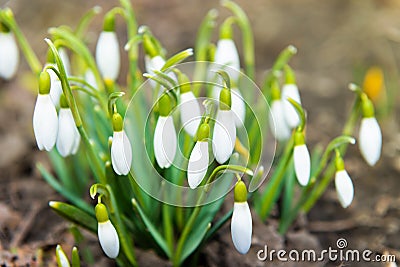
154, 63
302, 164
121, 153
198, 164
63, 260
190, 113
224, 136
344, 188
107, 55
277, 121
66, 132
238, 107
291, 116
165, 141
64, 58
108, 239
45, 122
227, 54
241, 227
370, 140
9, 55
216, 91
90, 79
55, 88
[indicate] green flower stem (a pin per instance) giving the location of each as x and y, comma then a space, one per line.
85, 21
7, 17
167, 225
300, 111
247, 36
190, 223
269, 195
96, 162
201, 48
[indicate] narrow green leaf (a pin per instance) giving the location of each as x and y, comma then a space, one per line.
177, 58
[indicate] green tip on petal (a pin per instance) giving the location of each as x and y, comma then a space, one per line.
225, 99
117, 122
203, 133
240, 192
109, 22
149, 48
339, 163
275, 91
164, 105
299, 138
101, 213
63, 101
44, 83
367, 107
290, 78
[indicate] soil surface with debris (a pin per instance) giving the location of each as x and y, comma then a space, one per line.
336, 40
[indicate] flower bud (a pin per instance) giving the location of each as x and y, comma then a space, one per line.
107, 234
302, 161
199, 157
9, 54
344, 185
121, 149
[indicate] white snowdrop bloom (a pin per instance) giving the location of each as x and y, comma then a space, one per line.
224, 135
65, 59
45, 121
291, 116
370, 140
121, 149
107, 55
199, 157
344, 188
165, 141
154, 63
190, 112
302, 161
277, 121
238, 107
242, 223
9, 55
56, 87
68, 137
62, 259
106, 232
227, 54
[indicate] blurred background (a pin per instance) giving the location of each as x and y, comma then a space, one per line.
337, 42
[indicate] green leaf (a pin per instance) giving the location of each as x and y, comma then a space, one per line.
152, 229
177, 58
75, 215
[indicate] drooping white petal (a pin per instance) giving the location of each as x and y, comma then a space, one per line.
302, 164
90, 79
190, 113
370, 140
108, 239
62, 259
121, 153
65, 59
165, 141
291, 116
241, 227
344, 188
277, 121
45, 122
9, 55
227, 54
68, 134
155, 64
55, 87
224, 135
107, 55
238, 107
198, 164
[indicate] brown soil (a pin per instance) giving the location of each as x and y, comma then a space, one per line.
336, 39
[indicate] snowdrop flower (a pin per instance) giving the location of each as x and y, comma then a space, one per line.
302, 162
165, 139
62, 260
45, 121
370, 136
290, 90
107, 50
68, 137
9, 54
238, 105
189, 107
65, 60
241, 224
198, 160
56, 87
344, 185
106, 232
121, 149
224, 135
277, 121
